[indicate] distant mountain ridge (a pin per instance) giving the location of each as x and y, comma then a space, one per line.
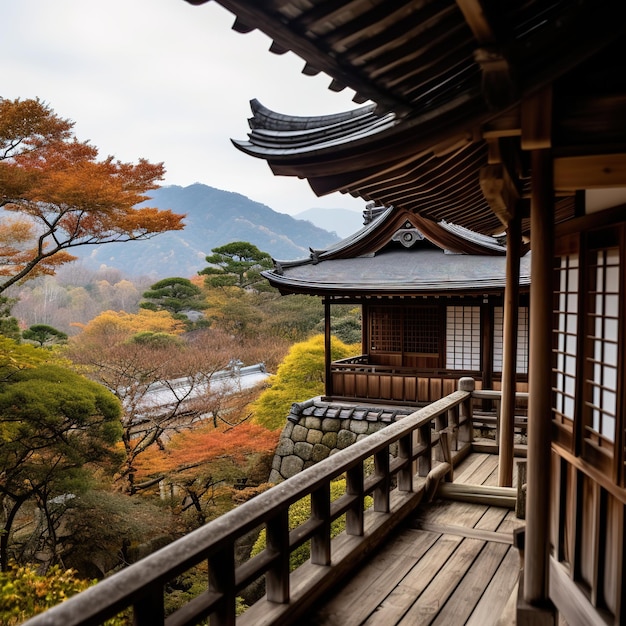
214, 218
344, 222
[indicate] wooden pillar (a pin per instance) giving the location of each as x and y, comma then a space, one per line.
509, 352
537, 542
328, 375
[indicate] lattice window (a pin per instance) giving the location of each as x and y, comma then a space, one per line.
602, 336
521, 362
385, 329
565, 331
410, 330
421, 330
463, 337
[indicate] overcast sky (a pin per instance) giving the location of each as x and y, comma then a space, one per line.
166, 81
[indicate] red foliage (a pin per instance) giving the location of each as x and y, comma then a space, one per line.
204, 444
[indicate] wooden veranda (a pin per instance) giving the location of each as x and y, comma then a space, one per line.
453, 562
418, 487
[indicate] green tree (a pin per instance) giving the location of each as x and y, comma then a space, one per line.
237, 264
43, 334
53, 423
299, 377
9, 326
178, 296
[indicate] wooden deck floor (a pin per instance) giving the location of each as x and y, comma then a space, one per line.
454, 563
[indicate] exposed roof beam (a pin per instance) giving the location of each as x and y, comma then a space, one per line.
500, 191
590, 172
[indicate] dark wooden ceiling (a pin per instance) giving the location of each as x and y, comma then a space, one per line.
448, 133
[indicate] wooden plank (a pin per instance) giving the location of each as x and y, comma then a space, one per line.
468, 467
470, 533
429, 602
589, 172
499, 591
493, 518
354, 602
482, 473
451, 512
403, 596
463, 601
510, 523
476, 469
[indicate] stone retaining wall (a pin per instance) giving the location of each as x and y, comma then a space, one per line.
315, 429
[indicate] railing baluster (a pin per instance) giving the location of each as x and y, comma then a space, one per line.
277, 577
320, 510
453, 428
381, 493
149, 610
466, 411
222, 581
405, 451
354, 486
425, 460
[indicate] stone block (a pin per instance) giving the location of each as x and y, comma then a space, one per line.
284, 447
331, 425
329, 440
299, 433
314, 436
319, 452
291, 465
303, 450
345, 438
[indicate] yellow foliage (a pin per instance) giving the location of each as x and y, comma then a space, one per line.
299, 377
122, 323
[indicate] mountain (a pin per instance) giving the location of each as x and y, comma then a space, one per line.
344, 222
214, 218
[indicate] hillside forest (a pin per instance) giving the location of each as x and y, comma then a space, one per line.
122, 424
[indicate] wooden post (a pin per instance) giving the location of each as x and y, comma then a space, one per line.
509, 352
537, 542
327, 349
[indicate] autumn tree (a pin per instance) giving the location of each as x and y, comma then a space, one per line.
163, 383
195, 462
236, 264
299, 377
58, 195
53, 424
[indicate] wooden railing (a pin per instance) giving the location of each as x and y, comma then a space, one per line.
408, 458
356, 377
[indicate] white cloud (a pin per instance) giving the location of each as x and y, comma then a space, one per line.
166, 81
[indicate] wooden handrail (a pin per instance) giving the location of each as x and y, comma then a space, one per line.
397, 487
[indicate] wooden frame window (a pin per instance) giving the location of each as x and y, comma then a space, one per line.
421, 330
385, 329
407, 330
565, 338
603, 295
463, 338
521, 362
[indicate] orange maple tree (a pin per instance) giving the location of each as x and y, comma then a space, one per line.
205, 444
61, 195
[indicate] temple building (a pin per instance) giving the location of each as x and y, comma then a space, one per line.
432, 305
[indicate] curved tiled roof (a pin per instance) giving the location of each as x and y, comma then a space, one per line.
398, 272
400, 253
448, 133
